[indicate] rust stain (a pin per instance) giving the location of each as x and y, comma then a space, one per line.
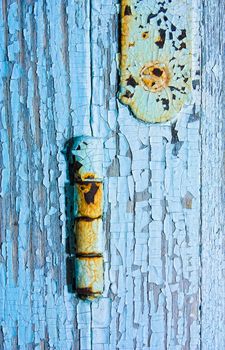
89, 276
88, 176
88, 218
87, 293
83, 177
161, 39
90, 199
154, 76
145, 35
90, 195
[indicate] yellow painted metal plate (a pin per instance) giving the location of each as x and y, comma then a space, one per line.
155, 64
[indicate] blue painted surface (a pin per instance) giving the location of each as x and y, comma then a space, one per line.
59, 79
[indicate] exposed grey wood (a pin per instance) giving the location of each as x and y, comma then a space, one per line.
213, 179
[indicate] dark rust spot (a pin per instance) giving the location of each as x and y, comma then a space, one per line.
90, 195
128, 94
181, 66
85, 295
89, 176
88, 255
182, 35
85, 291
127, 11
162, 36
145, 35
165, 103
154, 76
131, 81
85, 218
182, 46
158, 72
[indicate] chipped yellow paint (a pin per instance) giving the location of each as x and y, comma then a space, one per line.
155, 64
88, 234
89, 199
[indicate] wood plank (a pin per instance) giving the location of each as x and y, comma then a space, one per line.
152, 182
154, 256
213, 181
41, 115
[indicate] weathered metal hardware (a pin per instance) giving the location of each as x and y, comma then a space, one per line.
88, 210
155, 64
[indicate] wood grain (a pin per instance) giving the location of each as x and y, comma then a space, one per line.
59, 79
213, 181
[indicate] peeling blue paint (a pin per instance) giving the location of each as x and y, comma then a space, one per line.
50, 93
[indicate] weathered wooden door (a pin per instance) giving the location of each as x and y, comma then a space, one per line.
164, 282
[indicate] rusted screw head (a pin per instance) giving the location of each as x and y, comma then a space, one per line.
154, 76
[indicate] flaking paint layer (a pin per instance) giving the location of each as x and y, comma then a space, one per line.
155, 62
151, 253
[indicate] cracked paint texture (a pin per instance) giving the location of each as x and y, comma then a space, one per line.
59, 80
155, 58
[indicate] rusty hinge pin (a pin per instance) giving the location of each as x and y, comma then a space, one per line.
88, 210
